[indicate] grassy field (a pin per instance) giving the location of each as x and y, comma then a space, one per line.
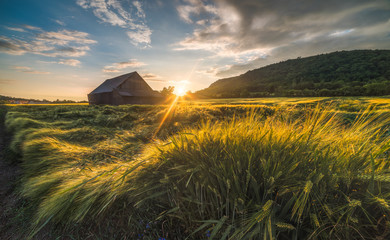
382, 102
284, 168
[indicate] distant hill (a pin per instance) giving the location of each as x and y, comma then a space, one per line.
345, 73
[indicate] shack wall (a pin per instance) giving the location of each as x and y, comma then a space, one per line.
115, 99
100, 98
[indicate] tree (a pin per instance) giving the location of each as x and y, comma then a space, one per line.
167, 92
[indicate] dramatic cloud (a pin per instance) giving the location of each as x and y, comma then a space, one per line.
140, 12
70, 62
31, 27
150, 77
194, 8
36, 72
76, 51
10, 46
64, 43
117, 67
109, 70
28, 70
15, 29
215, 70
21, 68
117, 13
60, 22
64, 37
140, 37
255, 32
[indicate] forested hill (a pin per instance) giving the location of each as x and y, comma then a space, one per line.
345, 73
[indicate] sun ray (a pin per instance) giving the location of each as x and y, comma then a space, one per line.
181, 91
173, 104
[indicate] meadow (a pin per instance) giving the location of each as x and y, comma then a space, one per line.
272, 168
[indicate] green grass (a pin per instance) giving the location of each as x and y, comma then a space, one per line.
220, 171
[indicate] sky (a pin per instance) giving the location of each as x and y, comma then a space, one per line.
64, 49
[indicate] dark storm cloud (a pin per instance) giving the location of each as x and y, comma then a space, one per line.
366, 17
281, 28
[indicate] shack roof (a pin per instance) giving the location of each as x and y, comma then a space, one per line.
113, 84
110, 84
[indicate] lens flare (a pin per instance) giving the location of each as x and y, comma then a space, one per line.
180, 91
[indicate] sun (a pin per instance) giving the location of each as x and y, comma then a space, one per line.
180, 91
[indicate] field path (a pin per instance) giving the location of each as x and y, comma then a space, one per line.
9, 174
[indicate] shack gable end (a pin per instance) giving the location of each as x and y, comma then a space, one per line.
135, 83
129, 88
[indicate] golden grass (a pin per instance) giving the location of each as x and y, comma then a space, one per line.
238, 170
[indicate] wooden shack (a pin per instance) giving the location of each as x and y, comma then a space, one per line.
129, 88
